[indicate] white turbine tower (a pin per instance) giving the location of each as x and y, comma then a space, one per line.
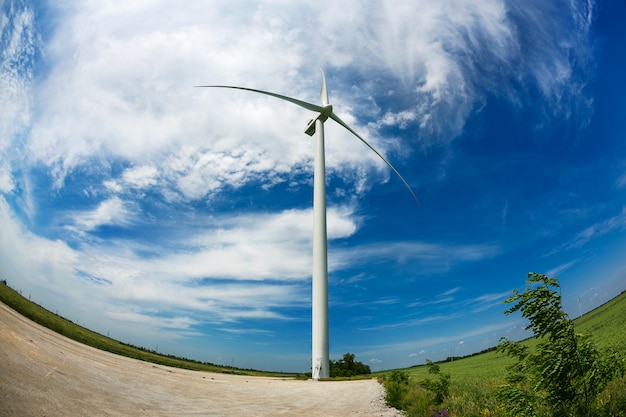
319, 315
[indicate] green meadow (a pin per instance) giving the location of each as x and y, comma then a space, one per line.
606, 324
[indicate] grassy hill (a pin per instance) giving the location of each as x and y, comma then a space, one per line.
607, 324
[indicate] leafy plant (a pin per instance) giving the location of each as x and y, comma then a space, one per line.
439, 386
417, 399
397, 388
566, 372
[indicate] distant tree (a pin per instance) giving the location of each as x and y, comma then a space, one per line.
565, 373
348, 366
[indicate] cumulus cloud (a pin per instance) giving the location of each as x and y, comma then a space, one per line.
141, 176
224, 271
126, 88
126, 282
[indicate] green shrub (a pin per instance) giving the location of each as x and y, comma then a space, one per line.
418, 399
566, 373
439, 386
397, 388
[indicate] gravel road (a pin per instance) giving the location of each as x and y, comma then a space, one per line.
45, 374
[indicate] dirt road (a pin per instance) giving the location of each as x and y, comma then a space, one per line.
45, 374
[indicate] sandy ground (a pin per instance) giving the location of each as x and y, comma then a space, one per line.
45, 374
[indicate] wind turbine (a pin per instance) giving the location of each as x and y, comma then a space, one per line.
319, 314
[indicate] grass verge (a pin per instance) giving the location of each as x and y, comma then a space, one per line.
83, 335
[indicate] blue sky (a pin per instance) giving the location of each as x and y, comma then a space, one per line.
180, 219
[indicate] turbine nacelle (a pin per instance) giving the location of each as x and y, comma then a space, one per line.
323, 116
310, 127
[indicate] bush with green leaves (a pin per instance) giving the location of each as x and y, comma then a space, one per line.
423, 398
397, 388
439, 386
565, 373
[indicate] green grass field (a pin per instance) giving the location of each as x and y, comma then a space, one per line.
475, 378
606, 324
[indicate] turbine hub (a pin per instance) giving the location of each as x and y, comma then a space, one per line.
326, 112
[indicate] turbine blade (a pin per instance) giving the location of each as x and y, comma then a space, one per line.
308, 106
406, 184
324, 91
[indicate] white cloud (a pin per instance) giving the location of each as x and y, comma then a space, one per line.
617, 222
557, 270
26, 256
486, 298
6, 179
109, 212
20, 41
451, 291
129, 93
18, 44
141, 176
431, 257
179, 323
121, 77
